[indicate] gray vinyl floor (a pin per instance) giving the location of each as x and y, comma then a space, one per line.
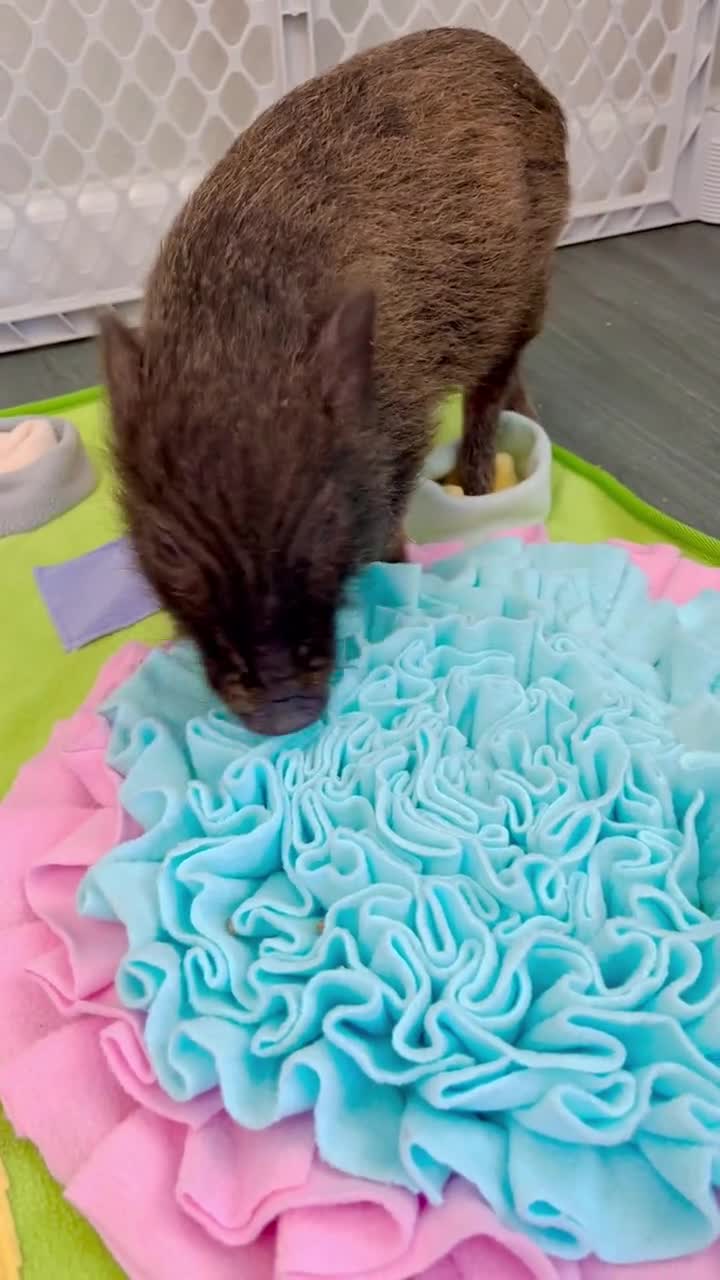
627, 372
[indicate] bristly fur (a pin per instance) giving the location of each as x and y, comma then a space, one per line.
381, 235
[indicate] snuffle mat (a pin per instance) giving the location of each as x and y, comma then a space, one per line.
429, 990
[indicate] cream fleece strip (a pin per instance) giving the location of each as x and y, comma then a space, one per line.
25, 443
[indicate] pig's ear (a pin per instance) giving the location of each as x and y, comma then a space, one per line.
346, 348
122, 358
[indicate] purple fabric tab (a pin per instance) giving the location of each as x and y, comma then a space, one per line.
95, 594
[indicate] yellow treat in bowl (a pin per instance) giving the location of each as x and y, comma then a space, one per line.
505, 473
505, 477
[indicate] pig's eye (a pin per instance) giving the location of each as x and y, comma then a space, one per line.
239, 673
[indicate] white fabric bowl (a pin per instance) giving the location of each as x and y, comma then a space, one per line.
437, 516
49, 486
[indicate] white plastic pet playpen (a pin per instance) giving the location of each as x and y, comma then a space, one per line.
110, 111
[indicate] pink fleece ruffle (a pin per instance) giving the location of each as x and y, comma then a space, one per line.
669, 574
180, 1189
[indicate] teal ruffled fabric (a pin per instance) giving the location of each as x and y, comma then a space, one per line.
472, 919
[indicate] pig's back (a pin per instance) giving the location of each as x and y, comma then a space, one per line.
432, 168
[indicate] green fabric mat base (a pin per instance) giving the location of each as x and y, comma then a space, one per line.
40, 684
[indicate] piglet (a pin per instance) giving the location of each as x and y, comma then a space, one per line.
378, 237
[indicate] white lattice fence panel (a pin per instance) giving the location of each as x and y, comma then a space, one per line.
110, 112
631, 74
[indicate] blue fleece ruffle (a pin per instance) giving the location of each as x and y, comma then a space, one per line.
472, 919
